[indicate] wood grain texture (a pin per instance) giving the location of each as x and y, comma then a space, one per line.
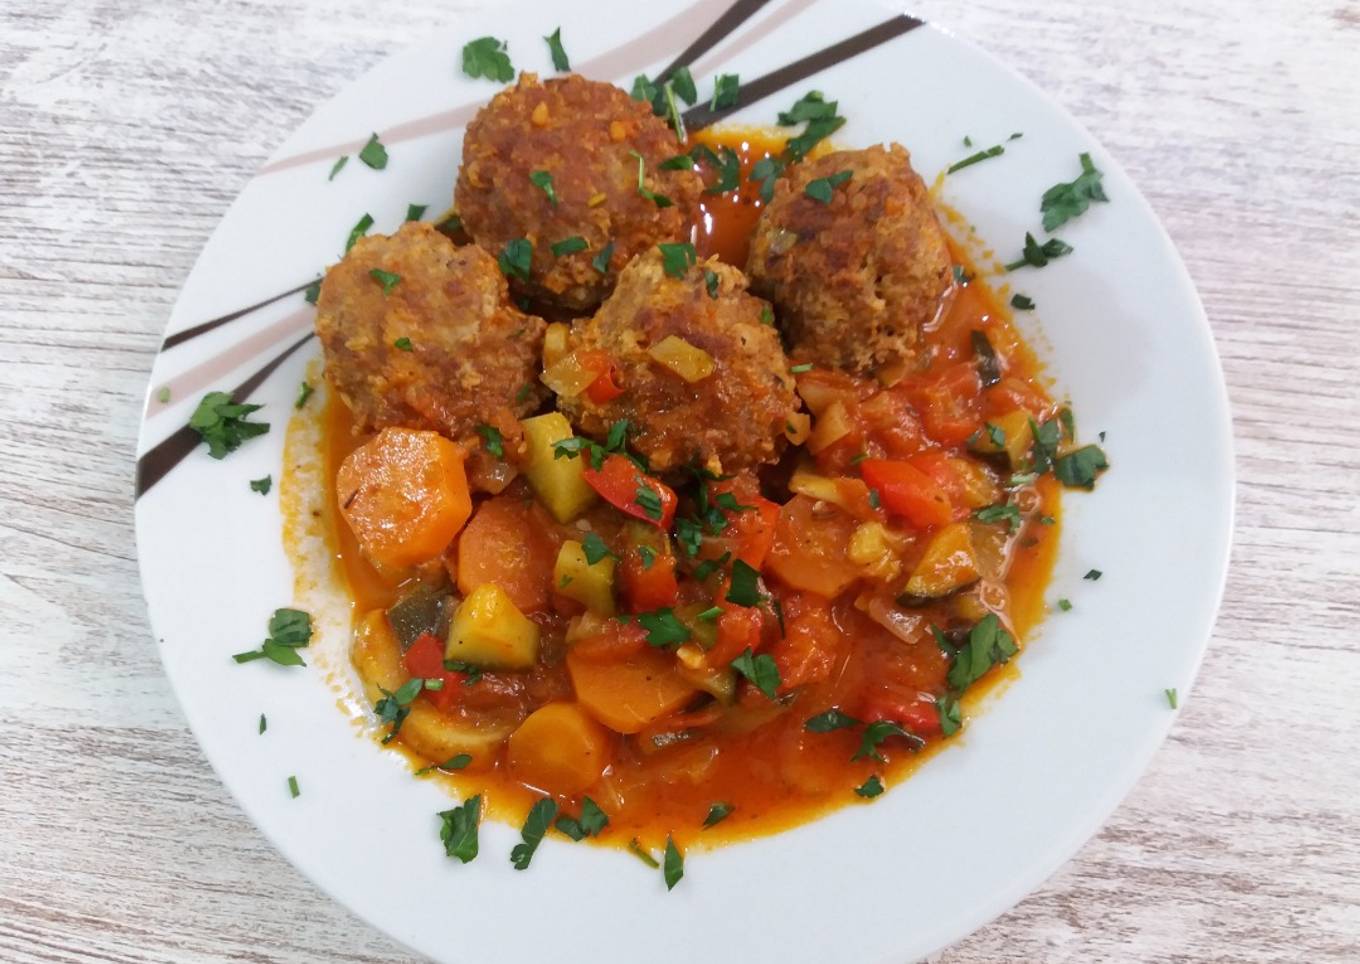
126, 129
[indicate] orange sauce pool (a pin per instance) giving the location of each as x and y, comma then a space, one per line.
775, 776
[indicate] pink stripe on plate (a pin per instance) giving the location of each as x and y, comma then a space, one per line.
203, 377
745, 41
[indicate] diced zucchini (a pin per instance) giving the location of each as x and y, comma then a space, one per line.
422, 610
1017, 439
488, 630
575, 578
559, 483
948, 565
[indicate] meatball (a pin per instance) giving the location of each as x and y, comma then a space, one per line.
854, 279
585, 136
420, 333
725, 406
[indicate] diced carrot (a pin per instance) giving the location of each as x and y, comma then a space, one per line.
622, 484
626, 696
909, 492
404, 494
648, 587
615, 641
739, 628
511, 544
559, 749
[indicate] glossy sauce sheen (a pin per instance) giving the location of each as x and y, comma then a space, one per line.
773, 775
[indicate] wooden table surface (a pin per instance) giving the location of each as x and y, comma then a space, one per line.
126, 128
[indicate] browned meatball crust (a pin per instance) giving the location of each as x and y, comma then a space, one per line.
442, 349
854, 279
734, 418
585, 135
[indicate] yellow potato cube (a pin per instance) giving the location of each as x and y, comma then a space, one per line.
487, 630
559, 483
590, 585
949, 563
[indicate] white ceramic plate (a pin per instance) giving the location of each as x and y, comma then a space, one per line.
1118, 324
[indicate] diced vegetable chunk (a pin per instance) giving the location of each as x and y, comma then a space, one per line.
810, 547
404, 494
689, 362
509, 542
627, 695
576, 578
630, 490
1016, 438
559, 483
488, 630
908, 492
559, 749
949, 564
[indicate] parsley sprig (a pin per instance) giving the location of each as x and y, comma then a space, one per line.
289, 631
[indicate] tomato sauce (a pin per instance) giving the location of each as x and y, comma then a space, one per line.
756, 755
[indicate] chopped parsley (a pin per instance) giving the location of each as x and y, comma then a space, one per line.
387, 279
766, 315
875, 500
544, 182
643, 89
1068, 421
403, 344
1038, 255
1065, 605
745, 589
961, 275
559, 54
679, 162
1022, 302
492, 440
358, 231
223, 424
540, 818
800, 369
601, 261
683, 82
648, 501
673, 864
1172, 698
660, 200
472, 671
374, 154
522, 393
1066, 200
452, 763
878, 731
725, 162
294, 790
726, 92
664, 628
338, 166
394, 707
647, 555
1079, 468
569, 246
264, 724
710, 614
663, 105
824, 186
996, 434
414, 212
870, 788
972, 159
711, 282
1093, 574
761, 670
262, 485
591, 822
717, 813
676, 259
459, 829
516, 258
832, 719
766, 171
811, 106
636, 850
950, 713
987, 645
313, 292
999, 514
594, 548
709, 566
305, 391
487, 57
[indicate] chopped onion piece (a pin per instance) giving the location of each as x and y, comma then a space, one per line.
690, 363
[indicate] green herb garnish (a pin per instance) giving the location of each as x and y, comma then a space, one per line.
414, 212
726, 92
568, 246
459, 829
544, 182
223, 424
403, 344
374, 154
1022, 302
761, 670
264, 724
487, 57
601, 261
673, 866
594, 548
1093, 574
823, 187
338, 166
972, 159
1038, 255
358, 231
1080, 468
294, 790
491, 440
1066, 200
1172, 698
387, 279
870, 788
558, 52
452, 763
744, 590
999, 514
262, 486
950, 713
832, 719
664, 628
540, 818
987, 645
677, 258
878, 731
516, 258
636, 850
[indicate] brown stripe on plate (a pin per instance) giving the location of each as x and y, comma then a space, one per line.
775, 81
734, 17
160, 459
179, 337
641, 50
